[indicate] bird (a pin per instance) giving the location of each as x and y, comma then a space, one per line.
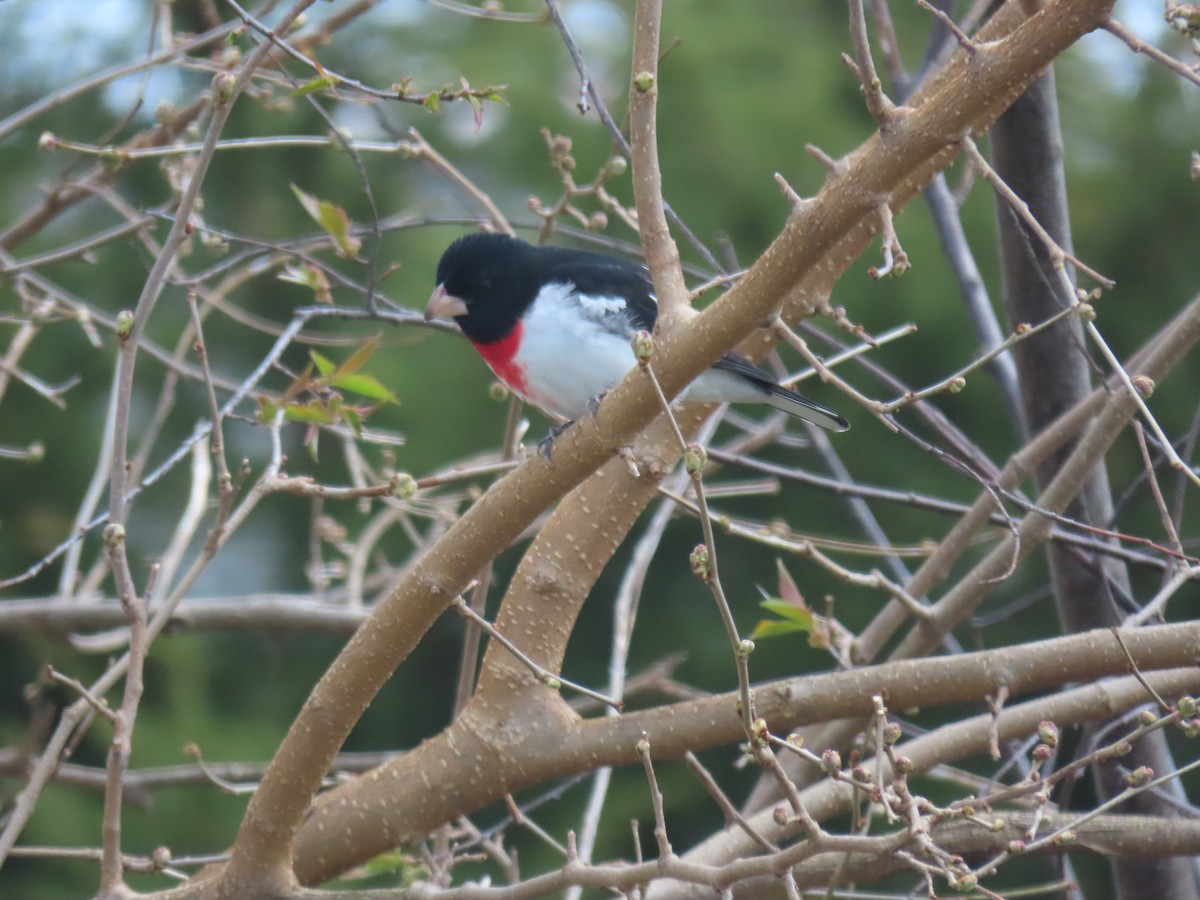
555, 326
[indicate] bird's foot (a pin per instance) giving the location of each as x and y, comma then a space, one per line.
593, 403
631, 463
546, 445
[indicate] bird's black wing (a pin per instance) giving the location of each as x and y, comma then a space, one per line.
598, 275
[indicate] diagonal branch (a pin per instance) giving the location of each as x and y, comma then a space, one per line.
924, 140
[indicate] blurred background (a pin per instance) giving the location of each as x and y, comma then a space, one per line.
743, 90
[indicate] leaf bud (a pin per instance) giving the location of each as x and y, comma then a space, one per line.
643, 346
124, 325
402, 486
831, 761
695, 457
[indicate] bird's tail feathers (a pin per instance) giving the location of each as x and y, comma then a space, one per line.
794, 405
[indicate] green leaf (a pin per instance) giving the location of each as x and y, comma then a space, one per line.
774, 628
801, 618
311, 277
317, 84
433, 102
324, 364
315, 413
355, 421
394, 862
333, 221
366, 386
357, 360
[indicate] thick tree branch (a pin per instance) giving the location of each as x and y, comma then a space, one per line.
959, 741
987, 82
541, 739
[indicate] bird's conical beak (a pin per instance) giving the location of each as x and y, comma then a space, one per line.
443, 306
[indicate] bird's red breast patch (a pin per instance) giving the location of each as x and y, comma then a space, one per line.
501, 357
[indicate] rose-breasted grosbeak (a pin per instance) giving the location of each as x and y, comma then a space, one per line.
555, 326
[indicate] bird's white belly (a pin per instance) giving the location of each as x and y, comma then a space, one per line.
563, 384
563, 372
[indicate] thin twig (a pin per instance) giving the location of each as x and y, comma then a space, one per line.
543, 675
1156, 491
1137, 45
878, 105
615, 132
662, 256
1134, 670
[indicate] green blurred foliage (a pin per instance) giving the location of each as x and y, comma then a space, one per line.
741, 94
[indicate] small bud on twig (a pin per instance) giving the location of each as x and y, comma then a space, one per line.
966, 883
643, 347
759, 730
402, 486
1140, 777
222, 85
831, 762
124, 325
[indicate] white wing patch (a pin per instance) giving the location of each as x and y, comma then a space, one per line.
601, 305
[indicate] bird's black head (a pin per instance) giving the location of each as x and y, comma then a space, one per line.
484, 283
